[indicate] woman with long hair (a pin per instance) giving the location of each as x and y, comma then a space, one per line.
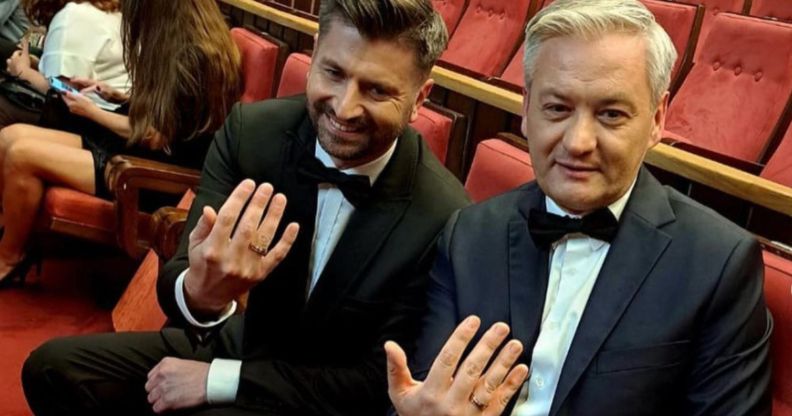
83, 40
184, 69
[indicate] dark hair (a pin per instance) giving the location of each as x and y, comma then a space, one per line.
414, 23
41, 12
183, 65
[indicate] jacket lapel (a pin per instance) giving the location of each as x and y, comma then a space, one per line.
527, 274
638, 245
369, 227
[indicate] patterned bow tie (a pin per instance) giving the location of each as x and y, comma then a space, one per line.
356, 188
548, 228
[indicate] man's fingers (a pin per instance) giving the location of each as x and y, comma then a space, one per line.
497, 371
230, 211
279, 252
249, 223
511, 385
469, 372
203, 227
399, 377
266, 230
445, 364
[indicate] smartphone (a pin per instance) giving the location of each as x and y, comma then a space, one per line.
62, 86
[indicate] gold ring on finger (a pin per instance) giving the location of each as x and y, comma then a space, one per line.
476, 402
261, 250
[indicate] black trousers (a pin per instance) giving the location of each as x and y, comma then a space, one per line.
105, 374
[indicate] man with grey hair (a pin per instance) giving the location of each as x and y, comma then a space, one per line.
623, 297
366, 201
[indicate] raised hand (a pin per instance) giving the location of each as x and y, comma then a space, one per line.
225, 263
459, 389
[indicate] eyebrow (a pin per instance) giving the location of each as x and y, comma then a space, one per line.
616, 98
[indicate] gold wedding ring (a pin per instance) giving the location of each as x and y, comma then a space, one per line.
477, 403
261, 250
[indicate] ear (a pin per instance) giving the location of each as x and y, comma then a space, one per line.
525, 105
423, 94
658, 123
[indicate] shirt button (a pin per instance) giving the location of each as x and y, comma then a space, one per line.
539, 381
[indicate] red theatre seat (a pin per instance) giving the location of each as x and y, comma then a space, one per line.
435, 128
497, 167
451, 10
514, 74
778, 294
294, 77
487, 36
779, 167
713, 8
772, 9
682, 22
733, 98
259, 64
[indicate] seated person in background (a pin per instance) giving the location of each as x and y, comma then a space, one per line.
173, 113
310, 340
83, 40
628, 297
13, 25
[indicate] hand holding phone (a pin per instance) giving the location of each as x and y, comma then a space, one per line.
62, 86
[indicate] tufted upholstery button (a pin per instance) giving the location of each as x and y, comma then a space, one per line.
715, 10
490, 12
502, 15
478, 8
716, 65
758, 76
738, 70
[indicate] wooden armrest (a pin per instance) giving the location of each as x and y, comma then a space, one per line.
126, 176
743, 165
168, 225
513, 139
124, 171
506, 85
460, 70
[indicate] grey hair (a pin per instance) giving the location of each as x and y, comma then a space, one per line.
590, 19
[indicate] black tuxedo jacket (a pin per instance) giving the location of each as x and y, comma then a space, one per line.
676, 323
323, 354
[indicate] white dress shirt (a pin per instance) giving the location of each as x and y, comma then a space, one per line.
332, 215
575, 263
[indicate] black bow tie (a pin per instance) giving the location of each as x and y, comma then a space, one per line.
356, 188
548, 228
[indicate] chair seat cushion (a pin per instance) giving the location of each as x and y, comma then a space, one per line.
497, 167
78, 208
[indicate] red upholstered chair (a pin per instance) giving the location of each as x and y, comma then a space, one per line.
779, 167
497, 167
261, 57
138, 308
294, 77
435, 128
715, 7
514, 76
733, 99
451, 10
772, 9
487, 36
682, 22
778, 294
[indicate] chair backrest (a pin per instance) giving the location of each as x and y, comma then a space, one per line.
451, 10
514, 74
773, 9
487, 35
713, 8
259, 62
497, 167
736, 92
779, 167
682, 22
294, 77
435, 128
778, 294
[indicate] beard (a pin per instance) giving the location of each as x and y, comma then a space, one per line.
372, 139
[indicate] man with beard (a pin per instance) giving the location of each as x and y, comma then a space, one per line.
366, 200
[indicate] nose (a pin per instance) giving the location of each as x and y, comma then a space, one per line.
347, 104
581, 137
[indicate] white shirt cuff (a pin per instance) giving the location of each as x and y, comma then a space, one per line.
223, 381
182, 302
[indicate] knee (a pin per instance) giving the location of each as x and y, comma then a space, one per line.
19, 156
12, 133
50, 359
